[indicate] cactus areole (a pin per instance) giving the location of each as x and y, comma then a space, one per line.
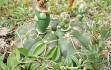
42, 15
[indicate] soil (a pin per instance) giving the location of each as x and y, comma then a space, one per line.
6, 37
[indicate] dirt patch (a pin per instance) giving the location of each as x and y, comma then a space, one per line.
6, 38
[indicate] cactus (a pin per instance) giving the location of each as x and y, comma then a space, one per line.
62, 34
42, 15
56, 36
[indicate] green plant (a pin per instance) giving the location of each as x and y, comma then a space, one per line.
64, 40
60, 48
14, 12
61, 44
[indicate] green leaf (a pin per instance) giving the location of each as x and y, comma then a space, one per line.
70, 63
27, 66
7, 68
56, 54
1, 58
33, 48
62, 61
17, 52
75, 60
2, 66
23, 51
88, 65
50, 53
3, 1
40, 48
30, 59
57, 67
12, 62
9, 63
42, 67
17, 68
80, 61
33, 67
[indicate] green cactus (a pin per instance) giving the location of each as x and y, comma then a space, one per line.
43, 21
63, 39
54, 23
58, 41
